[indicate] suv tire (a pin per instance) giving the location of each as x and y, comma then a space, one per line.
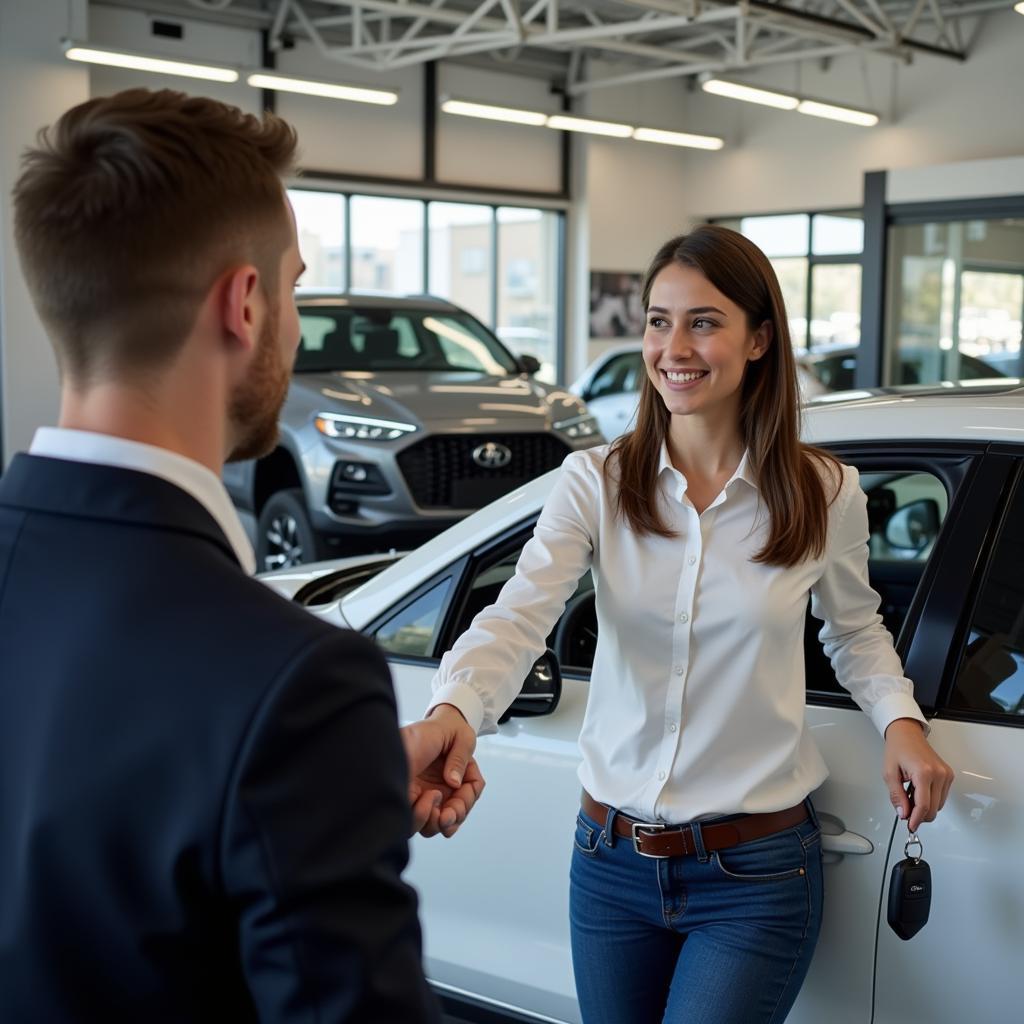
284, 535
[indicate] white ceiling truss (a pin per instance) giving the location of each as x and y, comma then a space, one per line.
593, 44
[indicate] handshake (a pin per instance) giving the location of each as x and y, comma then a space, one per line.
444, 778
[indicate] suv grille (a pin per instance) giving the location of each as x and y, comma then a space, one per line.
441, 473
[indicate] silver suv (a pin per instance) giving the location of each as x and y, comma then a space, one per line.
404, 415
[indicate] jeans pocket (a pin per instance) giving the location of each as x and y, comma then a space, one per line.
774, 858
587, 838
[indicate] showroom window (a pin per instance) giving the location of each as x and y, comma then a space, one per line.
955, 300
817, 258
502, 263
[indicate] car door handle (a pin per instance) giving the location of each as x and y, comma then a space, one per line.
846, 842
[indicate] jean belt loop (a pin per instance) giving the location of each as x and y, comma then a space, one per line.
609, 827
812, 813
698, 842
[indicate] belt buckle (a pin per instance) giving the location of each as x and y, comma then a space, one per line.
647, 826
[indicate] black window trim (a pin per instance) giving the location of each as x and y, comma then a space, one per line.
954, 464
1012, 483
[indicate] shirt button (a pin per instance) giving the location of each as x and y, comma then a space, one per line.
672, 727
693, 559
679, 670
661, 775
684, 617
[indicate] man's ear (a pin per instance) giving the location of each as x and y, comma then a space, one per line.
762, 340
243, 306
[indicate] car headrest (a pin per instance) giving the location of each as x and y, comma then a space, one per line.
380, 343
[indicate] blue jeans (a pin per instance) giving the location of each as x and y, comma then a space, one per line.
719, 938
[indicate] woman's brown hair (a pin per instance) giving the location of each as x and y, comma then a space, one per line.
789, 473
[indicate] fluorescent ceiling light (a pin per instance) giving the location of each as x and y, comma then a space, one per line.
677, 138
1019, 8
566, 123
834, 113
735, 91
329, 90
492, 113
140, 62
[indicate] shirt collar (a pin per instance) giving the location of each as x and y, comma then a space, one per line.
192, 477
744, 471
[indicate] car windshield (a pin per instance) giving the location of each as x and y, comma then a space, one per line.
381, 339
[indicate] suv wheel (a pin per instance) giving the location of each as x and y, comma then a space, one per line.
285, 537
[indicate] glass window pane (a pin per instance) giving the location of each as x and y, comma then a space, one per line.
528, 280
792, 275
991, 676
835, 305
460, 255
954, 309
837, 234
779, 235
411, 632
387, 244
320, 221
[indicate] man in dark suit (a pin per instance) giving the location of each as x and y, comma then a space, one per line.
204, 799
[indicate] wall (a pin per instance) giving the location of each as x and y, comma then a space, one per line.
37, 85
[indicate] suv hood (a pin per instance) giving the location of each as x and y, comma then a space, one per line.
437, 398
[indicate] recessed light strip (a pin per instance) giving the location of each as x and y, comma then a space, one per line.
141, 62
329, 90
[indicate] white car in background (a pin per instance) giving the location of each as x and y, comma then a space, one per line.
944, 474
610, 386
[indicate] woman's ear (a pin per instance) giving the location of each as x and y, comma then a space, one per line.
762, 340
242, 306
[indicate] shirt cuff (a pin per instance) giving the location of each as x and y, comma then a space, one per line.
897, 705
463, 697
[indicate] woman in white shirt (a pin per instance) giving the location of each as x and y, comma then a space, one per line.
696, 886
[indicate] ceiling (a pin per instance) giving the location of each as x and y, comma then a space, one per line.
584, 46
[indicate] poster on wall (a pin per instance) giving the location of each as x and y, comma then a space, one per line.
616, 307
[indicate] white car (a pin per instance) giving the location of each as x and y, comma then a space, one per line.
944, 472
610, 386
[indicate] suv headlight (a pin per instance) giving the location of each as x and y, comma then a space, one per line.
578, 426
361, 428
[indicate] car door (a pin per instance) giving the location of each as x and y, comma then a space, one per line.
856, 816
964, 964
494, 898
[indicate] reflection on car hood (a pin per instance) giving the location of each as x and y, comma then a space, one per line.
443, 397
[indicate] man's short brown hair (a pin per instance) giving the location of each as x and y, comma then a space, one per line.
129, 208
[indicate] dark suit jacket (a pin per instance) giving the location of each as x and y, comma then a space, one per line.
203, 792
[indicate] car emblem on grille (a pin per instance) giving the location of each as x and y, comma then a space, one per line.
492, 455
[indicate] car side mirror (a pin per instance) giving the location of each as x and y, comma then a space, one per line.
541, 690
529, 364
914, 526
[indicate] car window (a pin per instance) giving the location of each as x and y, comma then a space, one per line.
906, 509
410, 632
991, 673
342, 338
620, 374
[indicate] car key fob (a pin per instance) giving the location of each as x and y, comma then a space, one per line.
910, 896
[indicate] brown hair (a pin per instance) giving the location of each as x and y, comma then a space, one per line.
789, 473
131, 206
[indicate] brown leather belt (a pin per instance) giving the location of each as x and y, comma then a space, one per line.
654, 839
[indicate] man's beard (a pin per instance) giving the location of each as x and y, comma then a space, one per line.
256, 403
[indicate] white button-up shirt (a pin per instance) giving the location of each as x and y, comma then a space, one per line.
192, 477
697, 690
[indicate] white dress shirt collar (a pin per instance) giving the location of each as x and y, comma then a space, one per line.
192, 477
744, 471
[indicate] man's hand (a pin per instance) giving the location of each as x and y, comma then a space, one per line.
909, 757
444, 779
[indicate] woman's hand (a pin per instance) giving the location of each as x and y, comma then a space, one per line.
909, 757
444, 778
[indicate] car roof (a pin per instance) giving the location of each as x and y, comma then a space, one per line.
375, 300
909, 414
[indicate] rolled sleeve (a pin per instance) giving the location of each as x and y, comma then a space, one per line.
857, 643
484, 671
